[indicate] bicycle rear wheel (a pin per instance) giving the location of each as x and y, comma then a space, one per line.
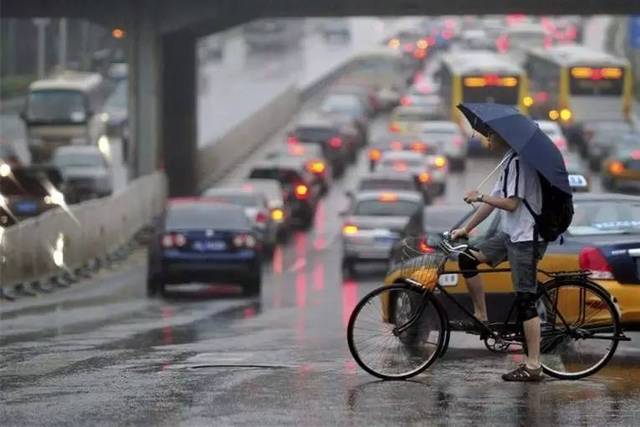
580, 327
380, 348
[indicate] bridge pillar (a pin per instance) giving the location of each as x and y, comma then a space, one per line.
179, 111
145, 62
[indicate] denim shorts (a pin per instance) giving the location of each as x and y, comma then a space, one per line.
499, 248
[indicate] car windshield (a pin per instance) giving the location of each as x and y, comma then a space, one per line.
30, 183
78, 160
56, 105
609, 216
197, 216
237, 198
380, 208
387, 184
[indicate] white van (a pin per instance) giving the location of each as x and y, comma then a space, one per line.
61, 111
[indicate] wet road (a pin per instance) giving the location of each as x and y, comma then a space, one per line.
101, 353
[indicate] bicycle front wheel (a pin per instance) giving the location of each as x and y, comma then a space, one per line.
396, 332
580, 327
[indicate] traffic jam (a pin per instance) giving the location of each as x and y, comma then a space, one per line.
370, 172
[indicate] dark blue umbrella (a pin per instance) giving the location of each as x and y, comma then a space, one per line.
523, 135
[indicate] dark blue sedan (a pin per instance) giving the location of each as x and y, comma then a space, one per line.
203, 241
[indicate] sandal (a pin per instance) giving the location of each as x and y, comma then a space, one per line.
524, 374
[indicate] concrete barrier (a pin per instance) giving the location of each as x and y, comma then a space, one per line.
60, 241
217, 159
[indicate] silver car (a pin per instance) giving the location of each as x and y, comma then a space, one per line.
85, 170
280, 211
374, 223
255, 208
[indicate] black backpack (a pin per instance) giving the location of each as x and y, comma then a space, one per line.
556, 214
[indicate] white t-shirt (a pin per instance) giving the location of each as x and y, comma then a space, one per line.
518, 180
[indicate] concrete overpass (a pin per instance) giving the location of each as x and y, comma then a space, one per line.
161, 37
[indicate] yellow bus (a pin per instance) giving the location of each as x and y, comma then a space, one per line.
576, 84
480, 76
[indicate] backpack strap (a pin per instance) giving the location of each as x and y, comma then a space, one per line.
531, 211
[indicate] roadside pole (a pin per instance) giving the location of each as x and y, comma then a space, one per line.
41, 24
62, 44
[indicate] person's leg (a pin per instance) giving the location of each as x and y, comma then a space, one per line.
492, 251
476, 290
532, 336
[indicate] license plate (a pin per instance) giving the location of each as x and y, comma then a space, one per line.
26, 207
210, 246
577, 181
448, 280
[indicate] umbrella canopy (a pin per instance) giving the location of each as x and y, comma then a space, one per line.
523, 135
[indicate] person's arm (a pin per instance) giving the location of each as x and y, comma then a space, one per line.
480, 215
505, 203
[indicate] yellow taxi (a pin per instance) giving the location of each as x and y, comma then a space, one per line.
621, 169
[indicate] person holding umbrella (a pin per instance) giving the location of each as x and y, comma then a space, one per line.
528, 158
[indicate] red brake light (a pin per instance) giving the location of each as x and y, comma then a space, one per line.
335, 142
292, 139
301, 191
592, 259
261, 217
635, 154
419, 147
424, 177
394, 127
405, 100
171, 240
400, 166
316, 167
396, 145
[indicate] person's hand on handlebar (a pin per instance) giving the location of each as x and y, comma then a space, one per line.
459, 233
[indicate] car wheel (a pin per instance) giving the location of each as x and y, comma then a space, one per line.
155, 286
253, 285
349, 268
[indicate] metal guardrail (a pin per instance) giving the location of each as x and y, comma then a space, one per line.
62, 241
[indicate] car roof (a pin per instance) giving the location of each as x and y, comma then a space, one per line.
439, 124
412, 196
68, 80
409, 109
314, 119
388, 175
78, 149
605, 197
263, 183
402, 155
295, 163
570, 55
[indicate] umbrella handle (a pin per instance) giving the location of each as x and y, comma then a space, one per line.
486, 178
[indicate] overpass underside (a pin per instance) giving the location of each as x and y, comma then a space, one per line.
162, 38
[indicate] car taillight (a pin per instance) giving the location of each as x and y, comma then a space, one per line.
374, 154
335, 142
406, 101
316, 166
244, 241
635, 155
291, 139
424, 177
593, 260
394, 127
277, 214
419, 147
173, 240
301, 191
616, 167
261, 217
424, 247
349, 229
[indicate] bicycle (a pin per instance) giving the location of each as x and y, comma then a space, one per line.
580, 323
